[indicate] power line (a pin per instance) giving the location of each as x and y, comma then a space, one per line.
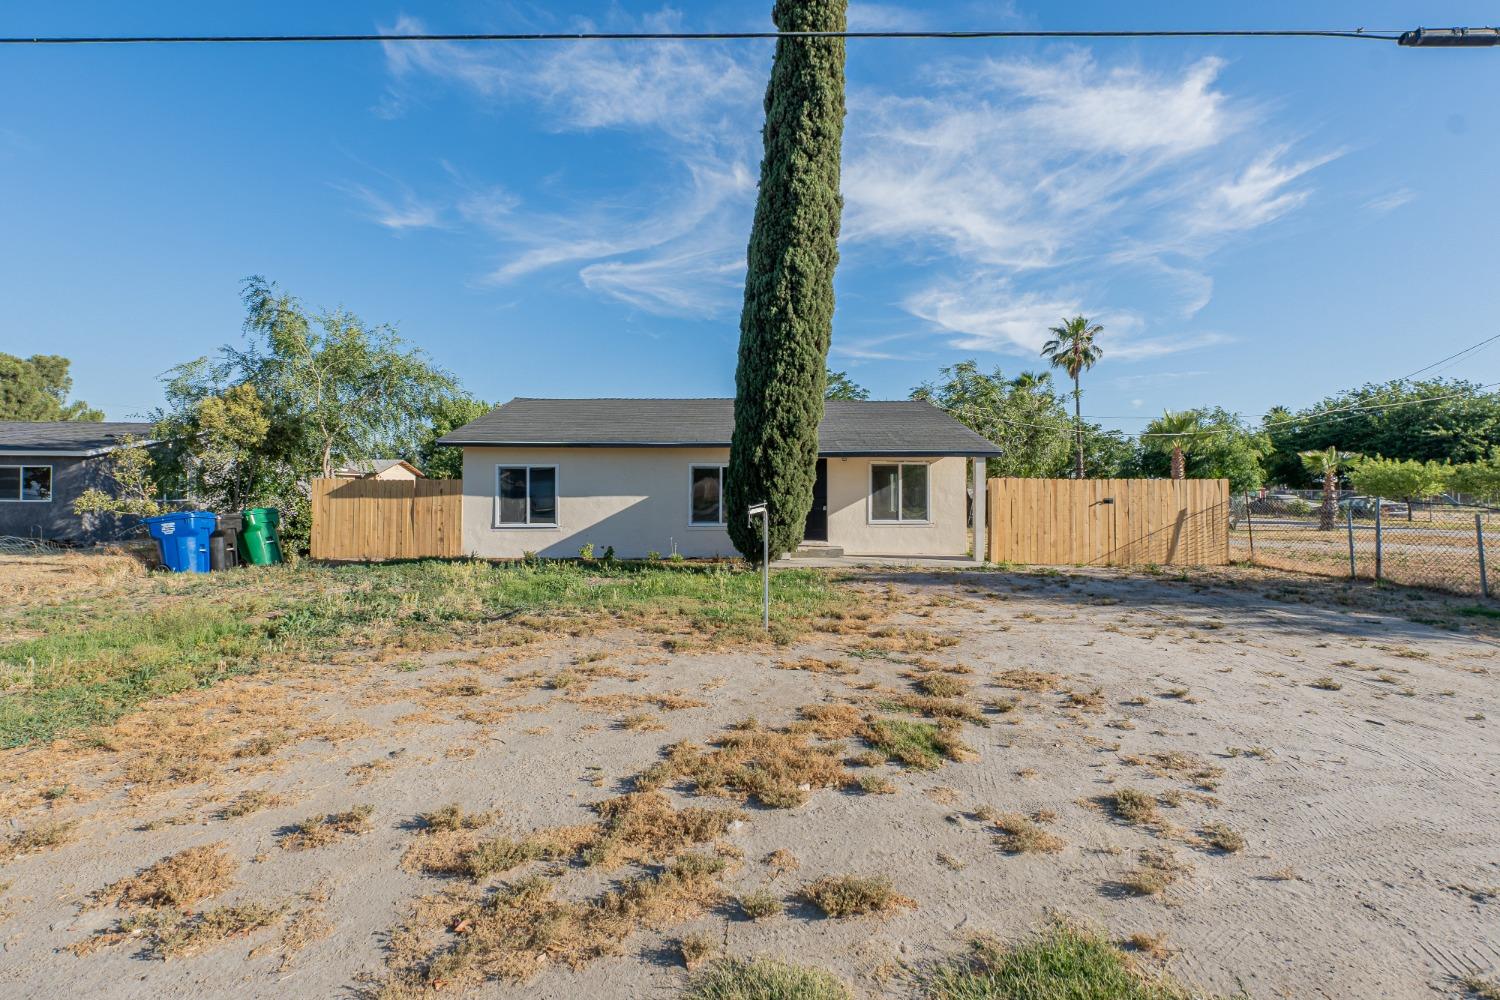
1392, 35
1451, 357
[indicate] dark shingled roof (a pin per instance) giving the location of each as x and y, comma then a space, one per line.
850, 427
66, 437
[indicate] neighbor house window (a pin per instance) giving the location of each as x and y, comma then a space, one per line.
898, 492
707, 494
31, 483
526, 495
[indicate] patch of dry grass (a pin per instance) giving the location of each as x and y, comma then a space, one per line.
1158, 869
696, 949
778, 768
1019, 835
814, 665
875, 784
855, 895
42, 836
919, 745
179, 880
252, 801
1028, 680
320, 831
1220, 837
522, 929
943, 685
761, 905
1134, 806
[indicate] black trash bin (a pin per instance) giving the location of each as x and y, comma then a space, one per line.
223, 544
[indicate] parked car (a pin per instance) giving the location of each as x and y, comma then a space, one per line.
1365, 507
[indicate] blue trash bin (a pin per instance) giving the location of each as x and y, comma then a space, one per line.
183, 539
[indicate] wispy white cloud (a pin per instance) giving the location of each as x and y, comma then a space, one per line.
1390, 201
1019, 190
405, 211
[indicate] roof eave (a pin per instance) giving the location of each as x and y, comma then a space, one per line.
31, 452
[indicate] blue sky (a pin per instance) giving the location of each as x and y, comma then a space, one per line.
1254, 222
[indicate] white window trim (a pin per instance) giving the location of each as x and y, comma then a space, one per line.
900, 465
723, 500
21, 481
528, 526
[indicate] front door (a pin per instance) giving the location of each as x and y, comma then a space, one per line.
817, 517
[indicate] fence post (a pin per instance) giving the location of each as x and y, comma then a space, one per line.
1484, 577
1250, 525
1353, 566
1379, 544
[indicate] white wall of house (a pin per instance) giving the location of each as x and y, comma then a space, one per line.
638, 500
945, 531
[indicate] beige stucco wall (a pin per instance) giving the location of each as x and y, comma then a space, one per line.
636, 499
945, 533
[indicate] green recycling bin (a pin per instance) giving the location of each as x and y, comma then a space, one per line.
260, 544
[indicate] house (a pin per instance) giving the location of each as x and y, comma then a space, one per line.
44, 466
548, 476
379, 468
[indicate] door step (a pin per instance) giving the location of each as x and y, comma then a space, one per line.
818, 551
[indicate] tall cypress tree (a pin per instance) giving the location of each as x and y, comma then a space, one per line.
788, 315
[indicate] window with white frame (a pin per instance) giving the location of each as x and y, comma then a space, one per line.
706, 500
526, 496
26, 483
898, 492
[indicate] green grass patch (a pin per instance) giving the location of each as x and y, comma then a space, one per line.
1062, 964
90, 660
764, 979
920, 745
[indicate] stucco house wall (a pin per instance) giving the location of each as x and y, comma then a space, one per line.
637, 500
944, 533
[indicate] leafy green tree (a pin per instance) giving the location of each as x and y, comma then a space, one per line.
1480, 480
789, 299
1438, 420
332, 389
1220, 448
1326, 465
133, 491
1400, 480
448, 463
841, 386
1072, 349
36, 388
1023, 417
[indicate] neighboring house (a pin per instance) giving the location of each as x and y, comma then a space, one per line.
379, 468
547, 476
44, 466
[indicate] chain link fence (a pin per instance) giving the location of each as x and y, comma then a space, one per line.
1427, 543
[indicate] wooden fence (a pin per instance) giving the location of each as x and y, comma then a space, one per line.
374, 519
1109, 522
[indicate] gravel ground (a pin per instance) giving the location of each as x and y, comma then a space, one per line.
1369, 806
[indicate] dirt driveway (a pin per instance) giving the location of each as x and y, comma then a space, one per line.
1273, 791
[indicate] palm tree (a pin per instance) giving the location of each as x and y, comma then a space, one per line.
1175, 432
1031, 380
1072, 349
1327, 464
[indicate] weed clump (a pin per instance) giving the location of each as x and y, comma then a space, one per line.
760, 904
920, 745
1134, 806
1062, 962
179, 880
43, 836
764, 979
1019, 835
1221, 837
1158, 869
855, 895
320, 831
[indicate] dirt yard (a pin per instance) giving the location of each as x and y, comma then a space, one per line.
1261, 784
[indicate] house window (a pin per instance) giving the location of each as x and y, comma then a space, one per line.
526, 496
898, 492
707, 499
27, 483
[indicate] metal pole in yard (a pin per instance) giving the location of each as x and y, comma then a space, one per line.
1250, 526
1353, 567
1379, 544
765, 561
1484, 577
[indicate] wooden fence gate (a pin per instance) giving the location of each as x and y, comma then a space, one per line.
1109, 522
374, 519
